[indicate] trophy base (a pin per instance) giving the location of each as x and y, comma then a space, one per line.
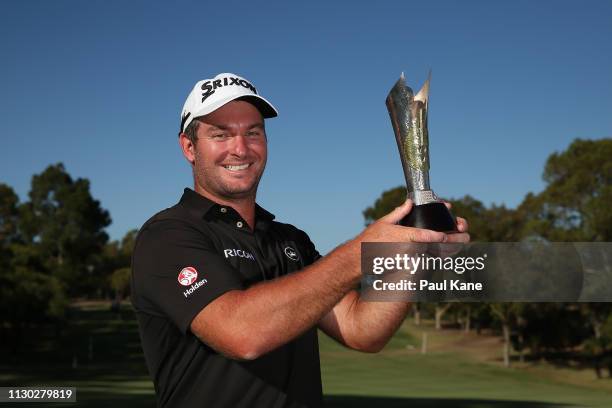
433, 216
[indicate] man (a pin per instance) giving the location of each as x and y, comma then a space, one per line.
228, 300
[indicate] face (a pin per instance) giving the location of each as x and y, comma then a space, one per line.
231, 151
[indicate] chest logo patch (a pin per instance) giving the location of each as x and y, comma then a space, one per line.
187, 275
292, 254
229, 253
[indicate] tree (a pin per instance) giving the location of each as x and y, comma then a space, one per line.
508, 315
599, 345
120, 282
470, 314
440, 310
8, 231
27, 295
8, 216
66, 226
385, 204
575, 203
118, 257
494, 224
574, 206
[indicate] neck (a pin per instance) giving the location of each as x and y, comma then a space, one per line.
244, 206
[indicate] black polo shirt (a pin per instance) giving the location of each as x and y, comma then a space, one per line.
184, 258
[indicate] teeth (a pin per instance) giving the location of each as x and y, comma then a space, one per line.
236, 168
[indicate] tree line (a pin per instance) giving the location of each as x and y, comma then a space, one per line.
575, 206
54, 248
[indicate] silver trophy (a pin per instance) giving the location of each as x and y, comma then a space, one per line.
408, 114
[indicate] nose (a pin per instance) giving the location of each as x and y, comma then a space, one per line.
239, 146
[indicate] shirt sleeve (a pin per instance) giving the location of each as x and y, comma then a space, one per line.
312, 255
176, 272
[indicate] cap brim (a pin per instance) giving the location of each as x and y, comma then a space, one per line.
265, 108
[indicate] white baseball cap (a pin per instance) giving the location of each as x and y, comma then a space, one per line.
210, 94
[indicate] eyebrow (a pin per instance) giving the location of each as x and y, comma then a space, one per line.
214, 128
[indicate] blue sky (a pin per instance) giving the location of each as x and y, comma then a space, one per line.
98, 85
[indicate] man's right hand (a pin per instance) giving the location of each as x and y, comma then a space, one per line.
386, 230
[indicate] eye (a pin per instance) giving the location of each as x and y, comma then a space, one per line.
254, 133
219, 136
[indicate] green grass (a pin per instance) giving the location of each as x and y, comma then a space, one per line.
401, 376
457, 371
114, 375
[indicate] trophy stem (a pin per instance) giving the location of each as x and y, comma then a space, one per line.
408, 113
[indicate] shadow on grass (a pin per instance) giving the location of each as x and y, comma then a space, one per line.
354, 401
91, 339
99, 400
335, 401
96, 350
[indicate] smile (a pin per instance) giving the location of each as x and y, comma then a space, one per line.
237, 167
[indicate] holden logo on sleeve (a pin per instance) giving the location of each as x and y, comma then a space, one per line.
291, 253
187, 276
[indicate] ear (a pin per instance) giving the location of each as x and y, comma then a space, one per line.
187, 147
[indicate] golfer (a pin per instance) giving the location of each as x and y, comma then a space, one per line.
228, 299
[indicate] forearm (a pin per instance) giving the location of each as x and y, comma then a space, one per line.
376, 322
363, 325
270, 314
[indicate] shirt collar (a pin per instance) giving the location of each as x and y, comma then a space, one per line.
202, 205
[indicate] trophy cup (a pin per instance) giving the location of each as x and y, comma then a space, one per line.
408, 114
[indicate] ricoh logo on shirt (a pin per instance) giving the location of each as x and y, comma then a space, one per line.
230, 253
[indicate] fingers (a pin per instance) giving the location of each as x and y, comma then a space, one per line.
447, 249
462, 224
424, 235
398, 213
460, 237
408, 234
